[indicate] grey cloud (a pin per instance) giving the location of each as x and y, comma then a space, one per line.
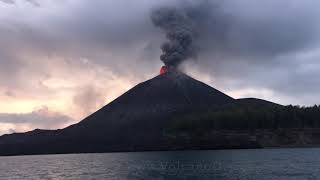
7, 1
34, 3
88, 99
239, 32
42, 118
9, 69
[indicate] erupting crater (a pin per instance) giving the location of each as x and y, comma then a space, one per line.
164, 69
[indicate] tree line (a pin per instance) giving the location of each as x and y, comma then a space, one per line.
249, 118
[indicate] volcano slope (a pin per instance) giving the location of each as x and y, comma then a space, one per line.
133, 121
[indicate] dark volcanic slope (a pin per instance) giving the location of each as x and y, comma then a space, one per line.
133, 121
165, 93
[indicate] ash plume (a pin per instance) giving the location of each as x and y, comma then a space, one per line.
180, 33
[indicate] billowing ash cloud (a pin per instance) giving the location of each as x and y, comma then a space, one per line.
194, 28
180, 32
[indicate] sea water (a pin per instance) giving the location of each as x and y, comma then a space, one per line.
252, 164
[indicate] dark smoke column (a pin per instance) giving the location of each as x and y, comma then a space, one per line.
180, 33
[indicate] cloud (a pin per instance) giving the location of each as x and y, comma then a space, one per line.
89, 99
7, 1
41, 118
32, 2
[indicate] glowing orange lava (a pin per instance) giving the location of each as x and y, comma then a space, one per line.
164, 69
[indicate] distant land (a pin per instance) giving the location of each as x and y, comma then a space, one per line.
173, 111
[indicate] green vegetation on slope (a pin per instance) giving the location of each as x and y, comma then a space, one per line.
239, 117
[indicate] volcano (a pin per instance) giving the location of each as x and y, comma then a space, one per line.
132, 121
171, 111
135, 121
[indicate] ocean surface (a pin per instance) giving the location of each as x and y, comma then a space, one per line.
264, 164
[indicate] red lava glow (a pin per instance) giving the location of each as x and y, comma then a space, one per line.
164, 69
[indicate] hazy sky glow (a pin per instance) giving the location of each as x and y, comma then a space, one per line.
61, 60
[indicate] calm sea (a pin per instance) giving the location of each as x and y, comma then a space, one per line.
265, 164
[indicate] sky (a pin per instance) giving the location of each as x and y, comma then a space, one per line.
61, 60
